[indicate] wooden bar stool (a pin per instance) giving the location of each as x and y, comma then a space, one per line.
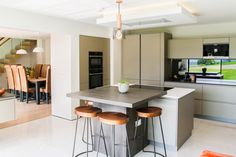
86, 112
113, 119
151, 112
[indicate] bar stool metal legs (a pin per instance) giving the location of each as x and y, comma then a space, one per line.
153, 131
101, 134
113, 141
163, 138
87, 124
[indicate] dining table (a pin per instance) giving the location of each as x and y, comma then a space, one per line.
38, 82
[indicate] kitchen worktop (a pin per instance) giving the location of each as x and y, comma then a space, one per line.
177, 93
209, 81
110, 95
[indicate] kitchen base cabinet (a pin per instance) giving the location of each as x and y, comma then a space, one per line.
7, 110
177, 118
197, 93
216, 102
197, 107
219, 93
219, 111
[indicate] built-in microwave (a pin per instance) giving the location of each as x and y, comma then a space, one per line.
216, 50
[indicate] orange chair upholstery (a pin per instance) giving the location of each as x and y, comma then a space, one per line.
44, 70
47, 89
10, 78
24, 83
207, 153
16, 77
38, 68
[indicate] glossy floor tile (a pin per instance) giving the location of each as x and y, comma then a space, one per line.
53, 137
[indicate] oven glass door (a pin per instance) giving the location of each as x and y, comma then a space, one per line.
95, 80
95, 62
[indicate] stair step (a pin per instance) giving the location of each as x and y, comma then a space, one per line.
23, 47
12, 56
7, 61
29, 42
13, 51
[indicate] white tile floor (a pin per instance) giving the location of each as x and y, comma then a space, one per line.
52, 137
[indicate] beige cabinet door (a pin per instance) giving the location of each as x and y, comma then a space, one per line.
219, 93
151, 59
7, 110
185, 48
130, 58
232, 48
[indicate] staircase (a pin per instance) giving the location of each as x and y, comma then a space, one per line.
10, 56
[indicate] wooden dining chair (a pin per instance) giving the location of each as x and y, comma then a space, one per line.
17, 82
44, 70
37, 70
10, 78
24, 83
47, 89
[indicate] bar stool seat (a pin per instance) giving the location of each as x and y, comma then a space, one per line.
87, 111
149, 112
113, 118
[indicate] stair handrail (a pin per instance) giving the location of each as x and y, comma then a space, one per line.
2, 42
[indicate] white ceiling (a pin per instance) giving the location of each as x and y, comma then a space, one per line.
206, 11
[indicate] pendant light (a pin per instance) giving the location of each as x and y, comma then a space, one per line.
21, 51
39, 48
119, 34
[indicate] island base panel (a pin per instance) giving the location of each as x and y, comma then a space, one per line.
120, 135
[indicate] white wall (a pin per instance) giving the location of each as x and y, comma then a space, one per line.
64, 51
61, 74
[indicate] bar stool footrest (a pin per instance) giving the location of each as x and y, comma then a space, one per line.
145, 151
90, 151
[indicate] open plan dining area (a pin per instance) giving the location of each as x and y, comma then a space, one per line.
26, 94
118, 78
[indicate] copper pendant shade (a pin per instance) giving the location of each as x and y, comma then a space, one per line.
119, 34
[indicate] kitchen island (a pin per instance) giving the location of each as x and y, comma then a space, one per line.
177, 116
109, 99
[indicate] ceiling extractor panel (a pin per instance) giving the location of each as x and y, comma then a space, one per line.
153, 15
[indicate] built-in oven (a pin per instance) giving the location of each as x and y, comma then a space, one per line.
95, 80
95, 69
95, 60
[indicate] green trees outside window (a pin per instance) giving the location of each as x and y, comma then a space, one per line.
223, 66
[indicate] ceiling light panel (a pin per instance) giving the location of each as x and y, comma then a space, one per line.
150, 16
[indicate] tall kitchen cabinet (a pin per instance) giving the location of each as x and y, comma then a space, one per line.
143, 58
131, 58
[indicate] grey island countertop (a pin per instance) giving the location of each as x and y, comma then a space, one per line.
110, 95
